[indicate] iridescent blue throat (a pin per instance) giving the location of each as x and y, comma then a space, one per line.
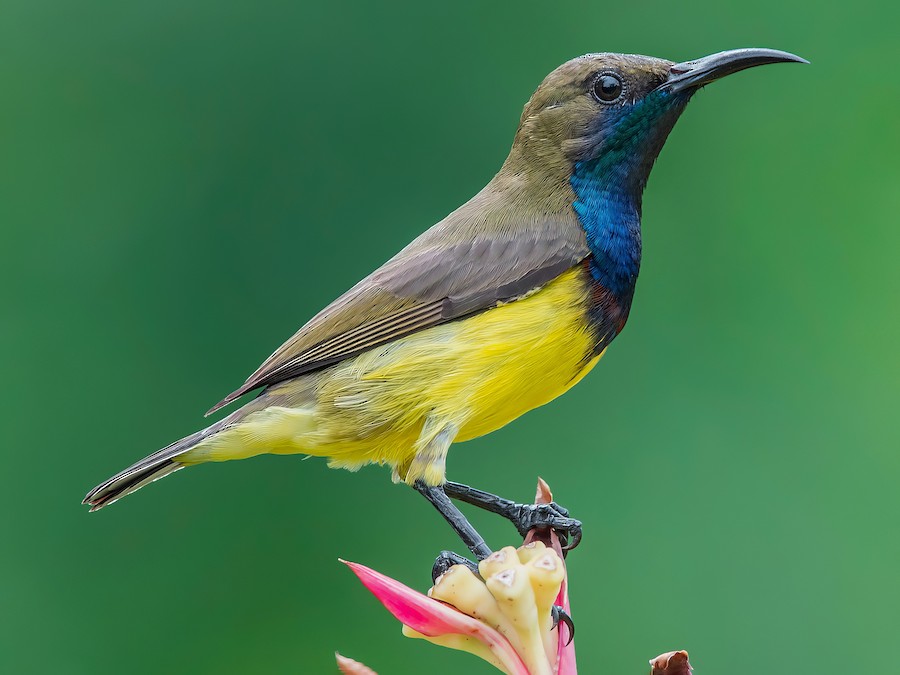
608, 187
611, 217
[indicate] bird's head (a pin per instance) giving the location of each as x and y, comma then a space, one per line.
616, 110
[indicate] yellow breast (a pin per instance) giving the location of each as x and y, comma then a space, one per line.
523, 355
474, 375
480, 372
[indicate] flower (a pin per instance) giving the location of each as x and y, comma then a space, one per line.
351, 667
671, 663
504, 617
503, 614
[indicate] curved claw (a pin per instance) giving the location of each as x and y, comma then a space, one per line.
573, 536
448, 559
562, 616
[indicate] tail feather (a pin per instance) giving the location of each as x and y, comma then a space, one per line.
153, 467
121, 485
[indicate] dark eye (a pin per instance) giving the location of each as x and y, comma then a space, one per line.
608, 87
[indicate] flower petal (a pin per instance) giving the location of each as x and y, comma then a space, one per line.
432, 618
351, 667
463, 643
671, 663
566, 645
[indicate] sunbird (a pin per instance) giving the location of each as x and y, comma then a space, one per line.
497, 309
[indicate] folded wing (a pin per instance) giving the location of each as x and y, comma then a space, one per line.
453, 270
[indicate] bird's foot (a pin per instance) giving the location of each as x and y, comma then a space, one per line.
448, 559
550, 516
561, 616
525, 517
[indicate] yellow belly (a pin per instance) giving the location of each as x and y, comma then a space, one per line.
476, 374
479, 373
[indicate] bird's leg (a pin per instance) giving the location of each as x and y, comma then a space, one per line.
524, 516
429, 462
527, 516
474, 541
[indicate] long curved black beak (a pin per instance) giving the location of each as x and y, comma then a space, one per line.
694, 74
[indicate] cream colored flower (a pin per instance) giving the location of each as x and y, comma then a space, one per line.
504, 617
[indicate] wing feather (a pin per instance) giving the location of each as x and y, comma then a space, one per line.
458, 267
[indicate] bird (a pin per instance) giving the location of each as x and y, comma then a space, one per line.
497, 309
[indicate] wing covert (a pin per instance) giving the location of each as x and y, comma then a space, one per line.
447, 273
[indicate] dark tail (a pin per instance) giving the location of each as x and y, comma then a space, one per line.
153, 467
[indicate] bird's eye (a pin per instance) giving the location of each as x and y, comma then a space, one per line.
608, 87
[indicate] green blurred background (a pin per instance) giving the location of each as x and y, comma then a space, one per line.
183, 184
